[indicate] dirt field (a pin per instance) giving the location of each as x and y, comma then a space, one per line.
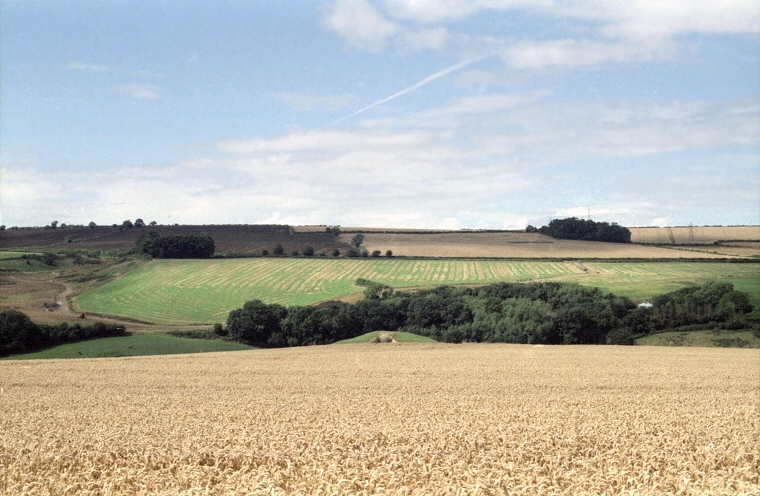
513, 245
385, 419
228, 239
683, 235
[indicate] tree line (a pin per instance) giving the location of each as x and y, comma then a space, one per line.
546, 313
156, 246
18, 334
584, 230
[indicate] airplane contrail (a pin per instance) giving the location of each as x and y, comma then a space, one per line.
421, 83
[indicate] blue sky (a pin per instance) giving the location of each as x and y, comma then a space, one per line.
439, 114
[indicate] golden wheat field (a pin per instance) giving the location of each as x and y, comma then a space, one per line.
386, 419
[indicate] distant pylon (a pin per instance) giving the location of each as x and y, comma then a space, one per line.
691, 233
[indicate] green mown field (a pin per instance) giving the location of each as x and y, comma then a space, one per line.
9, 255
205, 291
134, 345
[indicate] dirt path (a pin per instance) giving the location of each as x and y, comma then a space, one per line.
62, 307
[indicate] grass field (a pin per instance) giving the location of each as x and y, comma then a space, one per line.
726, 339
400, 337
397, 419
644, 280
134, 345
205, 291
9, 255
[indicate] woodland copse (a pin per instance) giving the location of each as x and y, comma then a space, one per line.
539, 313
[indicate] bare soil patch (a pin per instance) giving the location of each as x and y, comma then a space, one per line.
250, 239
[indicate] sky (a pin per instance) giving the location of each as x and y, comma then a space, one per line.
480, 114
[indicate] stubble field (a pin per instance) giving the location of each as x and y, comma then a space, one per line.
205, 291
696, 234
514, 245
380, 419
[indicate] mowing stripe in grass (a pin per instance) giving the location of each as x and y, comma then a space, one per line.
205, 291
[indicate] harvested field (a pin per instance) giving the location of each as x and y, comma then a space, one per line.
701, 234
734, 249
205, 291
512, 245
382, 419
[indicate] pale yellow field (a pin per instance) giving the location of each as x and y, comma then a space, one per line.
513, 245
386, 419
701, 234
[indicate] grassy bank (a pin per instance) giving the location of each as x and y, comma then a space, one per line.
134, 345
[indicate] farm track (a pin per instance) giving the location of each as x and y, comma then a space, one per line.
63, 308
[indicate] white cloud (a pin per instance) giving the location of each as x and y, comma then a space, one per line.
328, 140
572, 53
515, 222
308, 101
662, 221
619, 32
360, 24
432, 11
489, 161
633, 17
140, 91
433, 38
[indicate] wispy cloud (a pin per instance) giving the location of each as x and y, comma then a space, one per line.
618, 32
310, 102
82, 66
102, 68
140, 91
429, 79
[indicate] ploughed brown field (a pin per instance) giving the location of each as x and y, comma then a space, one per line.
513, 245
227, 238
386, 419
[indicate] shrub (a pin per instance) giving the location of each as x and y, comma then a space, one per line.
219, 330
620, 336
17, 331
308, 251
357, 240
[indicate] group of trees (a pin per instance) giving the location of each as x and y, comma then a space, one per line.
584, 230
18, 334
714, 303
127, 224
548, 313
156, 246
353, 251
